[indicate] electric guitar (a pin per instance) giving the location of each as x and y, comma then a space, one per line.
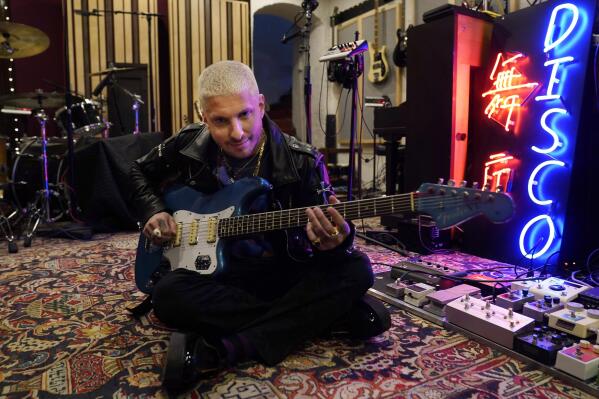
379, 67
207, 223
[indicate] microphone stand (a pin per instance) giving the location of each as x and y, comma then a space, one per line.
309, 7
357, 67
148, 16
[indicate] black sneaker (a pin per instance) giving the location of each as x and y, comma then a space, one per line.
367, 318
189, 359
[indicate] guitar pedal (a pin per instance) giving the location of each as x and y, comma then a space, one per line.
487, 320
538, 309
581, 360
542, 344
565, 290
514, 299
439, 299
396, 288
415, 294
575, 320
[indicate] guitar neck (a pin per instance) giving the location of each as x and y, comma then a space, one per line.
289, 218
376, 26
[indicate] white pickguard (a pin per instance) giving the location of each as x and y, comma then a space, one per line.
185, 255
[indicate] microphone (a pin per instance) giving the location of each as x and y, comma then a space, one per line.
102, 84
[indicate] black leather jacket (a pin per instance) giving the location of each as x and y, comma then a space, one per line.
297, 173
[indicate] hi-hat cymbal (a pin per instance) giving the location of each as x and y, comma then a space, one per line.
113, 69
20, 41
33, 99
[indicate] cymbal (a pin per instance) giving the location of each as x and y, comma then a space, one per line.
114, 69
34, 99
20, 41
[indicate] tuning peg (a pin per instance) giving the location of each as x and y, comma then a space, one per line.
475, 185
463, 183
440, 180
451, 183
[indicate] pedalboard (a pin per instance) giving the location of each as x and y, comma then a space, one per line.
542, 344
566, 290
575, 319
580, 360
421, 271
415, 294
514, 299
439, 299
487, 320
540, 308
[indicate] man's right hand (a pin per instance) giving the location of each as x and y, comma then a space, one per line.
160, 228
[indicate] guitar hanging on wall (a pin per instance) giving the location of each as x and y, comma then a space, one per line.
206, 224
379, 67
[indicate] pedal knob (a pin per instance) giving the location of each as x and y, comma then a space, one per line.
524, 292
547, 299
510, 312
574, 306
584, 344
556, 338
556, 300
593, 313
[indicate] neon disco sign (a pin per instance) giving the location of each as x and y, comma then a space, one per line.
559, 37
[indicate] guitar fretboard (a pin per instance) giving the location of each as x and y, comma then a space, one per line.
296, 217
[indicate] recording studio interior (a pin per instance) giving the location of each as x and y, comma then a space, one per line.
459, 138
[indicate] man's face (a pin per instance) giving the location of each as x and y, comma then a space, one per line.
235, 122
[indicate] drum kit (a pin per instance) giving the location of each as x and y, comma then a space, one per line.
33, 165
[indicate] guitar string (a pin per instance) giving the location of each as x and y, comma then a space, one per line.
282, 215
269, 220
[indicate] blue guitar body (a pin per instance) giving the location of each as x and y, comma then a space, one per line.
192, 208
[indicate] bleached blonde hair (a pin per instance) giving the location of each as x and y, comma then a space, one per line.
226, 78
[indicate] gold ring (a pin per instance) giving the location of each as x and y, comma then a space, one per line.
335, 232
316, 241
157, 233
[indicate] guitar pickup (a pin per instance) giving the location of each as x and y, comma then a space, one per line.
193, 232
212, 230
178, 235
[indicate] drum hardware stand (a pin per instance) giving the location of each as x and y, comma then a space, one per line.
7, 231
39, 210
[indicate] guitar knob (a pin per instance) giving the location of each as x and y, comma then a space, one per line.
440, 180
463, 183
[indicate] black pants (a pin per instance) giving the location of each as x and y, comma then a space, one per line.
277, 305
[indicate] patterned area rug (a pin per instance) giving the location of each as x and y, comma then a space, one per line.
65, 330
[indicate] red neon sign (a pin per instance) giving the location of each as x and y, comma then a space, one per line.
510, 90
499, 171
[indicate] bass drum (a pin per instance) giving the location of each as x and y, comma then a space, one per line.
28, 179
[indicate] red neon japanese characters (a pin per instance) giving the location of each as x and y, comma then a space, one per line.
498, 171
510, 90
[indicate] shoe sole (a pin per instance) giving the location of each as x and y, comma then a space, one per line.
172, 372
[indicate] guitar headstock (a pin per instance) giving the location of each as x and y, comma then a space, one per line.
450, 205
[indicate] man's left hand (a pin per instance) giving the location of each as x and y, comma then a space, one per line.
324, 234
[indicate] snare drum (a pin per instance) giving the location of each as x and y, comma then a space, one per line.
27, 173
86, 118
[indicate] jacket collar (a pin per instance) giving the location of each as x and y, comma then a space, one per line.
284, 170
